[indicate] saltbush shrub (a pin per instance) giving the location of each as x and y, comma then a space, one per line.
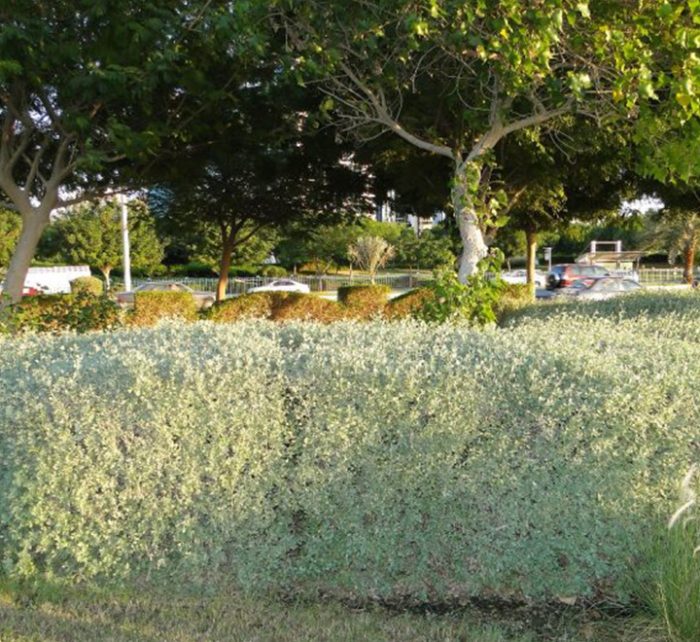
364, 301
90, 284
78, 312
664, 305
150, 307
378, 460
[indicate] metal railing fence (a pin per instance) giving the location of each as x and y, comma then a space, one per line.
663, 276
241, 285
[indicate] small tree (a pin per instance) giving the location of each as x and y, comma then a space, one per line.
370, 253
91, 233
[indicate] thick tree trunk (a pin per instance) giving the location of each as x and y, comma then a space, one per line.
473, 245
689, 262
531, 241
224, 267
34, 223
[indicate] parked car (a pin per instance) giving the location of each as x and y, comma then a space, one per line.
600, 288
203, 300
282, 285
566, 274
27, 290
519, 277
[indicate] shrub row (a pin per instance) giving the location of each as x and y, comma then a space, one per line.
153, 306
80, 311
374, 460
85, 311
354, 302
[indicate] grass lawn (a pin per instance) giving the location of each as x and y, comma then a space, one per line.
80, 617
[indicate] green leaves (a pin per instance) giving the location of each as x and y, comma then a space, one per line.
583, 9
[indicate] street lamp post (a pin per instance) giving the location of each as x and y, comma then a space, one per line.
126, 257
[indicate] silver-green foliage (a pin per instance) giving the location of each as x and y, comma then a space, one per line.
373, 460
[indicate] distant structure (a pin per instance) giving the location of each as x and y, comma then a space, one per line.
385, 212
615, 260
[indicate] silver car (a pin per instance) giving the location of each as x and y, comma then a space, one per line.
600, 288
282, 285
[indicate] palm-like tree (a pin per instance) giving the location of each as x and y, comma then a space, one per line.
676, 228
370, 253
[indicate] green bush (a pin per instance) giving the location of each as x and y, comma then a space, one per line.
273, 271
364, 301
78, 312
512, 298
475, 301
248, 306
150, 307
89, 284
409, 304
306, 307
277, 306
363, 460
193, 269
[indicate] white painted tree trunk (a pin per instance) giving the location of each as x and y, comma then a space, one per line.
473, 244
33, 224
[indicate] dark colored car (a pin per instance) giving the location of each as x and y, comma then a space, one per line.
566, 274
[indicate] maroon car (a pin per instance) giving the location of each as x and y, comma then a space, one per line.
566, 274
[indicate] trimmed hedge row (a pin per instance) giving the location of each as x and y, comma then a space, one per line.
364, 301
371, 461
80, 311
354, 302
153, 306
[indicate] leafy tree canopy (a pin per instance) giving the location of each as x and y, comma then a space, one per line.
91, 233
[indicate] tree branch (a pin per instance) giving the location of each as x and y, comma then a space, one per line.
383, 117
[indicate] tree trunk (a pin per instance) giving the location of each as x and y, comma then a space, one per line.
224, 267
531, 241
34, 223
473, 245
689, 261
106, 271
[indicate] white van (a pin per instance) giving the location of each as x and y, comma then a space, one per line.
55, 279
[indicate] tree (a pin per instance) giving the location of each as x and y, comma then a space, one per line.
323, 246
675, 228
455, 78
274, 168
550, 182
92, 92
91, 233
370, 253
10, 226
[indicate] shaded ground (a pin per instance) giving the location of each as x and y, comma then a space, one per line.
54, 617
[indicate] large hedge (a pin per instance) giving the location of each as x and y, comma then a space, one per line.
373, 460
